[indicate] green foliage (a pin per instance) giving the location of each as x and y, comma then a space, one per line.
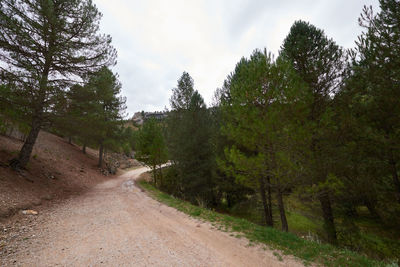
93, 113
108, 105
376, 67
182, 94
45, 46
151, 148
320, 63
317, 59
310, 122
263, 118
307, 122
171, 182
188, 131
303, 225
130, 135
367, 151
11, 116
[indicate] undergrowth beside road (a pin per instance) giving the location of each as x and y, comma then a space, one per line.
287, 243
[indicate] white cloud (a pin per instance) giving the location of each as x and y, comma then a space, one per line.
157, 40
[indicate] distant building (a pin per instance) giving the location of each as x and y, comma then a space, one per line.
155, 115
140, 117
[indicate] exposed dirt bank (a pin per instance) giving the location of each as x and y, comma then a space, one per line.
56, 171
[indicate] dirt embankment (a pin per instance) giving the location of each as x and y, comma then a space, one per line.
56, 171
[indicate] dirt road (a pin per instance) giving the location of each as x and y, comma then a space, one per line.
115, 224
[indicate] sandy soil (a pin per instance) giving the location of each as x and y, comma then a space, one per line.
116, 224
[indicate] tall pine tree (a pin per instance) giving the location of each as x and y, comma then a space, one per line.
378, 64
264, 107
319, 61
189, 146
44, 46
108, 109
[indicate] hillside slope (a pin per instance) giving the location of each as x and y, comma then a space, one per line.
56, 170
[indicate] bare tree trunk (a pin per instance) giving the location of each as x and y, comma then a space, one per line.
268, 218
37, 120
84, 148
395, 175
11, 131
269, 199
282, 212
26, 151
327, 214
161, 176
70, 140
101, 155
371, 206
155, 174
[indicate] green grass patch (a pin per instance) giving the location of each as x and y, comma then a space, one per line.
301, 224
286, 243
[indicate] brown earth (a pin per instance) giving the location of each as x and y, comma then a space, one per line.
56, 171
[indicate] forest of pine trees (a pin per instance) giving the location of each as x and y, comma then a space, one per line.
317, 125
55, 75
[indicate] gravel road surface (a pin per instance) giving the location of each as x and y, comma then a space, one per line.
116, 224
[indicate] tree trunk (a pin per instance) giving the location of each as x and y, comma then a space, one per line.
282, 212
101, 155
395, 175
350, 210
268, 219
26, 151
371, 206
161, 176
269, 200
229, 200
327, 214
84, 148
11, 131
37, 119
70, 140
155, 174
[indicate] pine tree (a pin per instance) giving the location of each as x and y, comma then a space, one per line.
12, 116
263, 109
189, 147
226, 187
44, 46
378, 65
182, 94
108, 109
151, 148
75, 115
319, 61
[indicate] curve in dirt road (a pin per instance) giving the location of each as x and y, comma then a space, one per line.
116, 224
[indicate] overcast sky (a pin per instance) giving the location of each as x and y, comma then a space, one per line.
159, 39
